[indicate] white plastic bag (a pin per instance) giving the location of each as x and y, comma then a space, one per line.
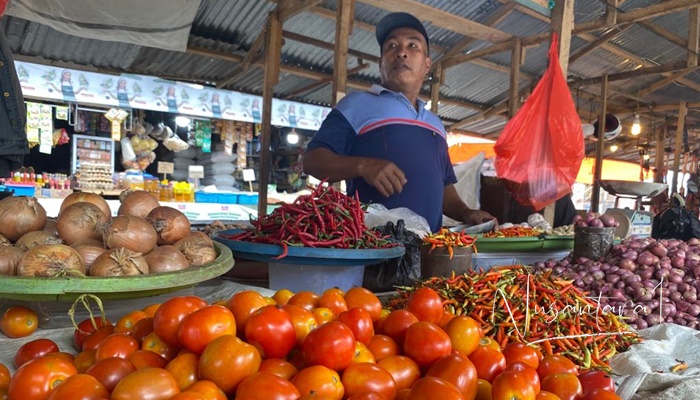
379, 215
468, 185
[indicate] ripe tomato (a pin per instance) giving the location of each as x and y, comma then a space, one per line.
304, 322
4, 377
147, 383
116, 345
364, 298
84, 360
359, 322
488, 362
93, 340
243, 304
529, 373
596, 380
207, 389
382, 346
402, 394
565, 385
167, 318
323, 315
150, 309
34, 349
367, 396
483, 390
282, 368
263, 385
227, 360
362, 354
512, 385
144, 359
396, 324
520, 352
430, 388
404, 370
426, 305
331, 345
188, 396
202, 326
425, 343
153, 342
305, 299
18, 321
184, 369
79, 387
271, 330
319, 381
35, 379
367, 377
555, 364
142, 328
544, 395
457, 369
282, 296
110, 371
445, 318
85, 328
489, 342
334, 299
127, 323
465, 333
601, 394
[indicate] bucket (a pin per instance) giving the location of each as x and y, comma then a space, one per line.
314, 278
438, 262
593, 243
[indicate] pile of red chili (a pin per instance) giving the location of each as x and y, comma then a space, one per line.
324, 218
514, 231
448, 239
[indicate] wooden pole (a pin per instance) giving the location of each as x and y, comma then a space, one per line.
659, 156
680, 127
515, 62
343, 28
435, 88
600, 145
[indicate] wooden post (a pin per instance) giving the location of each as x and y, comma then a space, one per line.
515, 62
435, 87
680, 127
600, 145
273, 48
693, 36
340, 57
659, 156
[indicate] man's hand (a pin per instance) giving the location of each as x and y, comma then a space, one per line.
384, 175
476, 217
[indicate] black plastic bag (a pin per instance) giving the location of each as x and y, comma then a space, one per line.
675, 223
400, 271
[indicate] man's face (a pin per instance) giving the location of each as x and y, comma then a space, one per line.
405, 60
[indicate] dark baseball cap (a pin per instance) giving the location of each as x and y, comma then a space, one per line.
399, 20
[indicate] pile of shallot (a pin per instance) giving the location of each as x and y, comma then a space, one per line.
144, 238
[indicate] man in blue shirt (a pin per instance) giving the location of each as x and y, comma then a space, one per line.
388, 147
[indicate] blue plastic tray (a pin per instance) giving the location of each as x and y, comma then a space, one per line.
306, 255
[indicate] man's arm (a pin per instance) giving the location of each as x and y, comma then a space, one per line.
454, 207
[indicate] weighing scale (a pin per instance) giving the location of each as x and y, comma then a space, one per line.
633, 222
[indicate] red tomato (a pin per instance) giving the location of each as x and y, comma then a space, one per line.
282, 296
4, 377
184, 369
565, 385
334, 299
79, 387
34, 349
404, 370
425, 343
147, 383
600, 394
144, 359
367, 396
458, 370
359, 322
271, 330
85, 328
202, 326
396, 324
362, 354
445, 319
305, 299
402, 394
426, 305
188, 396
110, 371
489, 342
520, 352
282, 368
323, 315
127, 323
153, 342
116, 345
227, 361
512, 385
18, 321
35, 379
382, 346
304, 321
430, 388
150, 309
207, 389
142, 328
544, 395
488, 362
167, 318
331, 345
596, 380
263, 385
483, 390
84, 360
93, 340
465, 333
529, 372
363, 298
367, 377
319, 381
555, 364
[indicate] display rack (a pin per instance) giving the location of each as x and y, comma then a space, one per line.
94, 150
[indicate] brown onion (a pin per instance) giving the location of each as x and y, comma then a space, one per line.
19, 215
4, 240
197, 248
51, 260
32, 239
165, 259
96, 199
133, 233
50, 226
10, 257
119, 262
171, 224
80, 221
89, 242
137, 203
89, 252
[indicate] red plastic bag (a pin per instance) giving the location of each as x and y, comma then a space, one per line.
540, 151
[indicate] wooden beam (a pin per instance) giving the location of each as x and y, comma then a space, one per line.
326, 45
666, 81
340, 54
435, 89
462, 58
657, 69
592, 46
442, 19
600, 145
611, 12
670, 36
680, 127
693, 36
288, 9
323, 82
247, 61
514, 95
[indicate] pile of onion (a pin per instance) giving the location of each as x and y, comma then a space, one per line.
171, 224
50, 261
137, 203
89, 250
119, 262
10, 257
19, 215
80, 221
36, 238
166, 259
197, 248
133, 233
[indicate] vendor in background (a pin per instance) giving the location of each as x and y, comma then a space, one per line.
13, 115
388, 147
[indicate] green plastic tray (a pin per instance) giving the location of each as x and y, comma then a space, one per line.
562, 242
118, 287
504, 245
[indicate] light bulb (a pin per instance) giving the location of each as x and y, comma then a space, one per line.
646, 156
292, 138
613, 148
182, 121
636, 125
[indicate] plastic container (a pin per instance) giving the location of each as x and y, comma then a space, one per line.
487, 261
593, 243
205, 197
22, 190
438, 262
315, 278
227, 198
247, 198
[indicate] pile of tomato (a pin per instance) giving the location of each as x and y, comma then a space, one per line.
336, 345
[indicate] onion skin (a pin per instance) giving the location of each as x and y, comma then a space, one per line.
166, 259
51, 260
10, 257
36, 238
171, 224
119, 262
51, 226
80, 221
137, 204
93, 198
197, 248
89, 252
133, 233
19, 215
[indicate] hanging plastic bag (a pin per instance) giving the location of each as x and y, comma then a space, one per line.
540, 151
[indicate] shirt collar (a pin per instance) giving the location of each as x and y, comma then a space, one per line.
379, 89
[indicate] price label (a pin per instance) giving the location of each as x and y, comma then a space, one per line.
196, 171
249, 175
165, 167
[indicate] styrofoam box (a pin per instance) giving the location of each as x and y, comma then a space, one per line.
486, 261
